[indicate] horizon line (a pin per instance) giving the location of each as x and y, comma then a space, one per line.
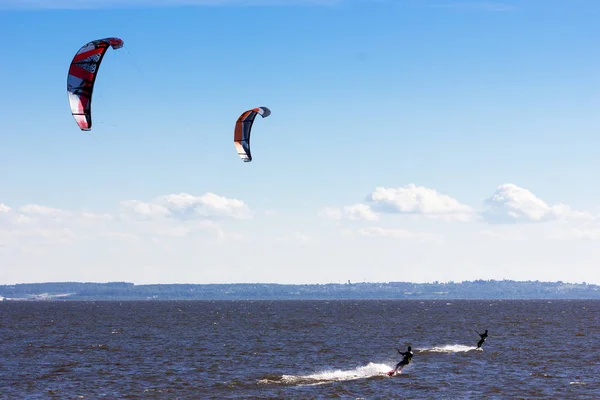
307, 284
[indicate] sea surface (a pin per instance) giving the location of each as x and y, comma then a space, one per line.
299, 349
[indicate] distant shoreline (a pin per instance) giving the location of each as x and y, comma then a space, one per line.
466, 290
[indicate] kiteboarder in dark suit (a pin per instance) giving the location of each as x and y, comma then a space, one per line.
483, 336
406, 358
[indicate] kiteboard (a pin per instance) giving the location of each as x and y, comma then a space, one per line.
393, 373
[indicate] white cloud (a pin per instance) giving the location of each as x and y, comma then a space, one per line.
186, 206
34, 209
412, 199
140, 210
30, 237
208, 205
511, 203
33, 226
354, 212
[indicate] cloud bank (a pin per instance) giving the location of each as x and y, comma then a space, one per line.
407, 232
508, 204
33, 227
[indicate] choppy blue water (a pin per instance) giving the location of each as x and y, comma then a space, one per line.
299, 349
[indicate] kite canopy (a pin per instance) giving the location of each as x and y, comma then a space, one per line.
243, 127
82, 76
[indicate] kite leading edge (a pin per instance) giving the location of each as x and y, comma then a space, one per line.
243, 128
82, 77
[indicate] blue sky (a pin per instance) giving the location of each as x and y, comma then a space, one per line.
409, 141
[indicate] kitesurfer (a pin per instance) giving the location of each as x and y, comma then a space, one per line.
406, 358
483, 336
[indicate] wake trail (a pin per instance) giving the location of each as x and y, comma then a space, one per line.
449, 348
330, 375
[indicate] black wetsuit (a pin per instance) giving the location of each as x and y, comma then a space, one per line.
483, 336
406, 357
